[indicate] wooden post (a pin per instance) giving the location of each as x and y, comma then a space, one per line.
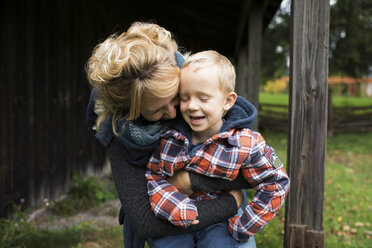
308, 116
297, 236
314, 239
254, 54
241, 53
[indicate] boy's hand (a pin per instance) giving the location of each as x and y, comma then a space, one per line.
181, 181
237, 193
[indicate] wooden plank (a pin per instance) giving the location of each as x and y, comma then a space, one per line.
44, 98
314, 239
308, 116
243, 20
241, 79
254, 55
297, 236
7, 107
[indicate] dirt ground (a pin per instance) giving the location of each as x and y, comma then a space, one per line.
104, 215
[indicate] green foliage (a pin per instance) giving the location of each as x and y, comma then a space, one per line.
275, 86
84, 193
13, 230
351, 38
275, 47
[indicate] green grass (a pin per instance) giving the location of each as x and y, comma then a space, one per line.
347, 217
17, 232
338, 101
273, 98
79, 236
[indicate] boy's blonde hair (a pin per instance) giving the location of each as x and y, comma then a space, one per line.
224, 69
124, 66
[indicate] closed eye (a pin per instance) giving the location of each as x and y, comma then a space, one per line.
155, 111
184, 98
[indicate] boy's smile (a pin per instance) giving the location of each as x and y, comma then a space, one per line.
196, 120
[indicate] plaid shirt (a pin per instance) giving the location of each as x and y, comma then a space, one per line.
221, 156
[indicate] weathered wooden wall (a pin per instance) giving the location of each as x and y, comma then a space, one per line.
44, 92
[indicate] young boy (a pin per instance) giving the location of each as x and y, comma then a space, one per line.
217, 147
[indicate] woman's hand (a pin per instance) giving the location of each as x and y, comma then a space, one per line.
181, 181
237, 193
195, 222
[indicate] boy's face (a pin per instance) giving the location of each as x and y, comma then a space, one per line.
202, 102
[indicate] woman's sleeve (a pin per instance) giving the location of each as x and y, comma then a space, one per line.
131, 186
210, 184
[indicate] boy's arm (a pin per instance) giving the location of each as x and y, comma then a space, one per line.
168, 203
265, 172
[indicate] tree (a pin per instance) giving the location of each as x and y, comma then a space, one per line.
351, 38
350, 46
275, 47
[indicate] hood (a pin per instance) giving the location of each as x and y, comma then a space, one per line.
242, 115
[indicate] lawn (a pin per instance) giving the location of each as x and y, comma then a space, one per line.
348, 194
337, 101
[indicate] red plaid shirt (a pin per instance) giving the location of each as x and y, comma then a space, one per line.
222, 156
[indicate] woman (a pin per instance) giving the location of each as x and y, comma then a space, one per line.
134, 99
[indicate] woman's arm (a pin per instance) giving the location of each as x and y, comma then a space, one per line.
132, 190
210, 184
188, 182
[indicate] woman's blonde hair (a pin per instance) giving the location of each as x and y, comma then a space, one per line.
124, 66
225, 71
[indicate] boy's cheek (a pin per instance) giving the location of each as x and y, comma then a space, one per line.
183, 108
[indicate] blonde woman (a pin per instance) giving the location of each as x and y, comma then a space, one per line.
134, 79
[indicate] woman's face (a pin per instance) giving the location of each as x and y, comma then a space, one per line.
154, 108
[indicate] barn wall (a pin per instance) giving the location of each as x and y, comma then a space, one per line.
44, 46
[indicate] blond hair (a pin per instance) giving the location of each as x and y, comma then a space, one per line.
224, 69
124, 66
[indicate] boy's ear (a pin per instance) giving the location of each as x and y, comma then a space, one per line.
230, 100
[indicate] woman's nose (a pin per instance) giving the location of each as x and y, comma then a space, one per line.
171, 112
